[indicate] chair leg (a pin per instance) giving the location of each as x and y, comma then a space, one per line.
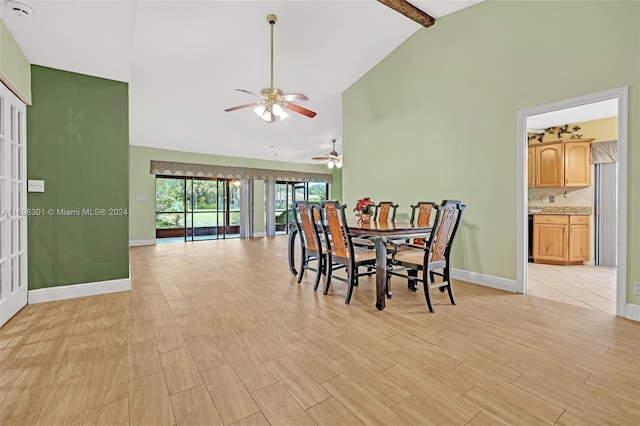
303, 263
329, 273
412, 284
319, 269
388, 287
352, 276
449, 286
427, 296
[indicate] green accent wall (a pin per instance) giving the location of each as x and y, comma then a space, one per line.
15, 71
438, 115
78, 143
142, 222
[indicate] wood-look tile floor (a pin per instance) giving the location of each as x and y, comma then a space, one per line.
220, 333
588, 286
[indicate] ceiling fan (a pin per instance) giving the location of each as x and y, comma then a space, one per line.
332, 158
273, 104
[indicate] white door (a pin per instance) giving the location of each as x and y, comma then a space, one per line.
13, 205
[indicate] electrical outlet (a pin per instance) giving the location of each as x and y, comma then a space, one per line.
552, 198
636, 288
545, 198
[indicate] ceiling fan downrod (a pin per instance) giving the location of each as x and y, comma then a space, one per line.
272, 19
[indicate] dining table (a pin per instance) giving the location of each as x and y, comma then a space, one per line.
380, 233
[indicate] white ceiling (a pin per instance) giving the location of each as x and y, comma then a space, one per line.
578, 114
183, 60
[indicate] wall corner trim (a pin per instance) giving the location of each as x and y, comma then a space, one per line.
134, 243
485, 280
78, 290
633, 312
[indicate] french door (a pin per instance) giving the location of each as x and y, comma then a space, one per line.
287, 193
13, 205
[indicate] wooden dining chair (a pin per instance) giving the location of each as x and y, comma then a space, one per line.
432, 256
385, 212
313, 247
342, 253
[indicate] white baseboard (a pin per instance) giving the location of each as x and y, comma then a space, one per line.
485, 280
259, 234
633, 312
133, 243
78, 290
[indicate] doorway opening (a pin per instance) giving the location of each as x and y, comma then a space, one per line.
577, 228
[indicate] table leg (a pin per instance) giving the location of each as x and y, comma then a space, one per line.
293, 232
381, 272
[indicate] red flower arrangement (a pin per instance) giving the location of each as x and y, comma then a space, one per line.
364, 206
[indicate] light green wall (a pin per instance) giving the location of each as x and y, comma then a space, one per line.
437, 117
335, 190
14, 66
142, 213
78, 143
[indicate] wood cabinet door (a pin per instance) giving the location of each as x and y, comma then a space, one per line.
531, 167
579, 242
577, 169
549, 166
550, 242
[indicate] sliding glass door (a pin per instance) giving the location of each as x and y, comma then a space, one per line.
192, 209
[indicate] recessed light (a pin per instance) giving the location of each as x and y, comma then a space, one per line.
20, 9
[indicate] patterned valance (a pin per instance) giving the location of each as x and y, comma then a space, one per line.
604, 152
171, 168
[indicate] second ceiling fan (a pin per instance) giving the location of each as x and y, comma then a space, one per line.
274, 103
333, 159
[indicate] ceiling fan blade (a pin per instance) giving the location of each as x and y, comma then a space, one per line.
251, 93
299, 109
294, 97
242, 106
321, 158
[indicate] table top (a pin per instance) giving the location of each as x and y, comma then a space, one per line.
386, 228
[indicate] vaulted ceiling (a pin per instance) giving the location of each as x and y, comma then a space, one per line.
183, 60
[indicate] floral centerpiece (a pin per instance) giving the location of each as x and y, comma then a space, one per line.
364, 209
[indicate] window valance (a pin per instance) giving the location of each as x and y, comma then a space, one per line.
172, 168
604, 152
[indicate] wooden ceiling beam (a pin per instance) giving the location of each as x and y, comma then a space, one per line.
410, 11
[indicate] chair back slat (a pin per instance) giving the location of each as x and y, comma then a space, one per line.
449, 215
334, 223
385, 212
385, 208
307, 226
424, 209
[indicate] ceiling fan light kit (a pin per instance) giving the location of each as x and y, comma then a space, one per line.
333, 159
274, 103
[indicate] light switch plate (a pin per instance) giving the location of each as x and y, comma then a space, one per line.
636, 288
35, 185
141, 197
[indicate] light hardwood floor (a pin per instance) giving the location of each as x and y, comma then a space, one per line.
588, 286
220, 333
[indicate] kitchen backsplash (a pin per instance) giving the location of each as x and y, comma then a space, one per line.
576, 197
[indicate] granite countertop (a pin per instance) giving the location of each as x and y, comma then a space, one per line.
568, 210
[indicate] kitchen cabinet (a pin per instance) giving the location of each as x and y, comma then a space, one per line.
577, 168
531, 167
561, 239
549, 165
561, 163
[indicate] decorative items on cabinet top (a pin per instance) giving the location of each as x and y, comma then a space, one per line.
566, 210
537, 143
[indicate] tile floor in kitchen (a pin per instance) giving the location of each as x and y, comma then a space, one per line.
588, 286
